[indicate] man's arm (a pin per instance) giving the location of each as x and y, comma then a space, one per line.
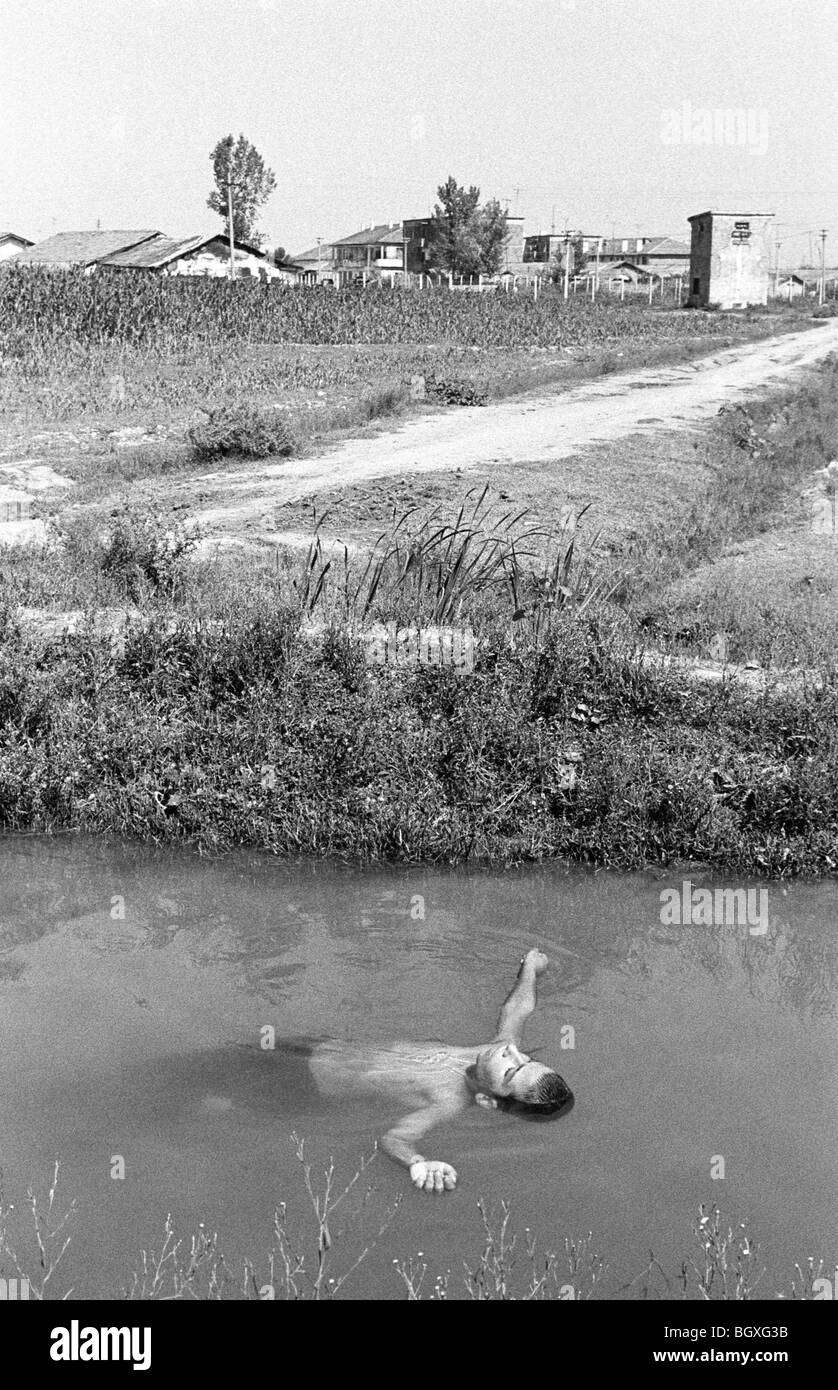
520, 1003
401, 1142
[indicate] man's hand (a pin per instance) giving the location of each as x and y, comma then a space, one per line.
519, 1003
432, 1175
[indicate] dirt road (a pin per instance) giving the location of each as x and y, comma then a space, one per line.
543, 428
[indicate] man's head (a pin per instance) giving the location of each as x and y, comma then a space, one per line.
506, 1078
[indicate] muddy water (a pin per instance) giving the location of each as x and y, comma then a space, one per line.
134, 984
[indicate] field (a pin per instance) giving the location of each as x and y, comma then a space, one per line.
219, 719
92, 310
123, 349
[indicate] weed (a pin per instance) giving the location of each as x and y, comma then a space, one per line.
242, 431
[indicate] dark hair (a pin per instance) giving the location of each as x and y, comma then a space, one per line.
550, 1092
547, 1099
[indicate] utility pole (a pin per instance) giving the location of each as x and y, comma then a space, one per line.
230, 224
566, 265
822, 285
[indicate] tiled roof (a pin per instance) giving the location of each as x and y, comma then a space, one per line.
81, 248
323, 254
611, 268
161, 250
666, 246
15, 236
383, 232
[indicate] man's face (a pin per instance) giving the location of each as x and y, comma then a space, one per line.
506, 1071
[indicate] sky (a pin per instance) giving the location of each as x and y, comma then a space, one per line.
607, 116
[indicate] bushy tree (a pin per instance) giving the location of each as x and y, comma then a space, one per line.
467, 239
494, 231
240, 163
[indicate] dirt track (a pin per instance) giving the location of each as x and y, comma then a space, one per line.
549, 426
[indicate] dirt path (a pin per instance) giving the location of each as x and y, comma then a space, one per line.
543, 428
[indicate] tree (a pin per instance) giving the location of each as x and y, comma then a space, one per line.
466, 239
494, 232
240, 163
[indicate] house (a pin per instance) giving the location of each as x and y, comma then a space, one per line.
316, 266
664, 249
418, 233
11, 245
545, 252
643, 250
373, 253
788, 286
729, 259
668, 270
614, 273
85, 249
540, 250
627, 269
626, 248
206, 256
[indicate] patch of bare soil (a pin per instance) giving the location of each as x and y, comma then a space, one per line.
628, 486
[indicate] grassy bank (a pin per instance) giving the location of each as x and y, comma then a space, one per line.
250, 735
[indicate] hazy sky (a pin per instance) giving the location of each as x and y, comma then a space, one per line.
601, 113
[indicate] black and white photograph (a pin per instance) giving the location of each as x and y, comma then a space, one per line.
419, 665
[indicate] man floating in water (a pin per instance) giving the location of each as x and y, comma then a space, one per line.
440, 1082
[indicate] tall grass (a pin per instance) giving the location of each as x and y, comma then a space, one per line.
425, 568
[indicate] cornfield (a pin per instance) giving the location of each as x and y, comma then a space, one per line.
43, 311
